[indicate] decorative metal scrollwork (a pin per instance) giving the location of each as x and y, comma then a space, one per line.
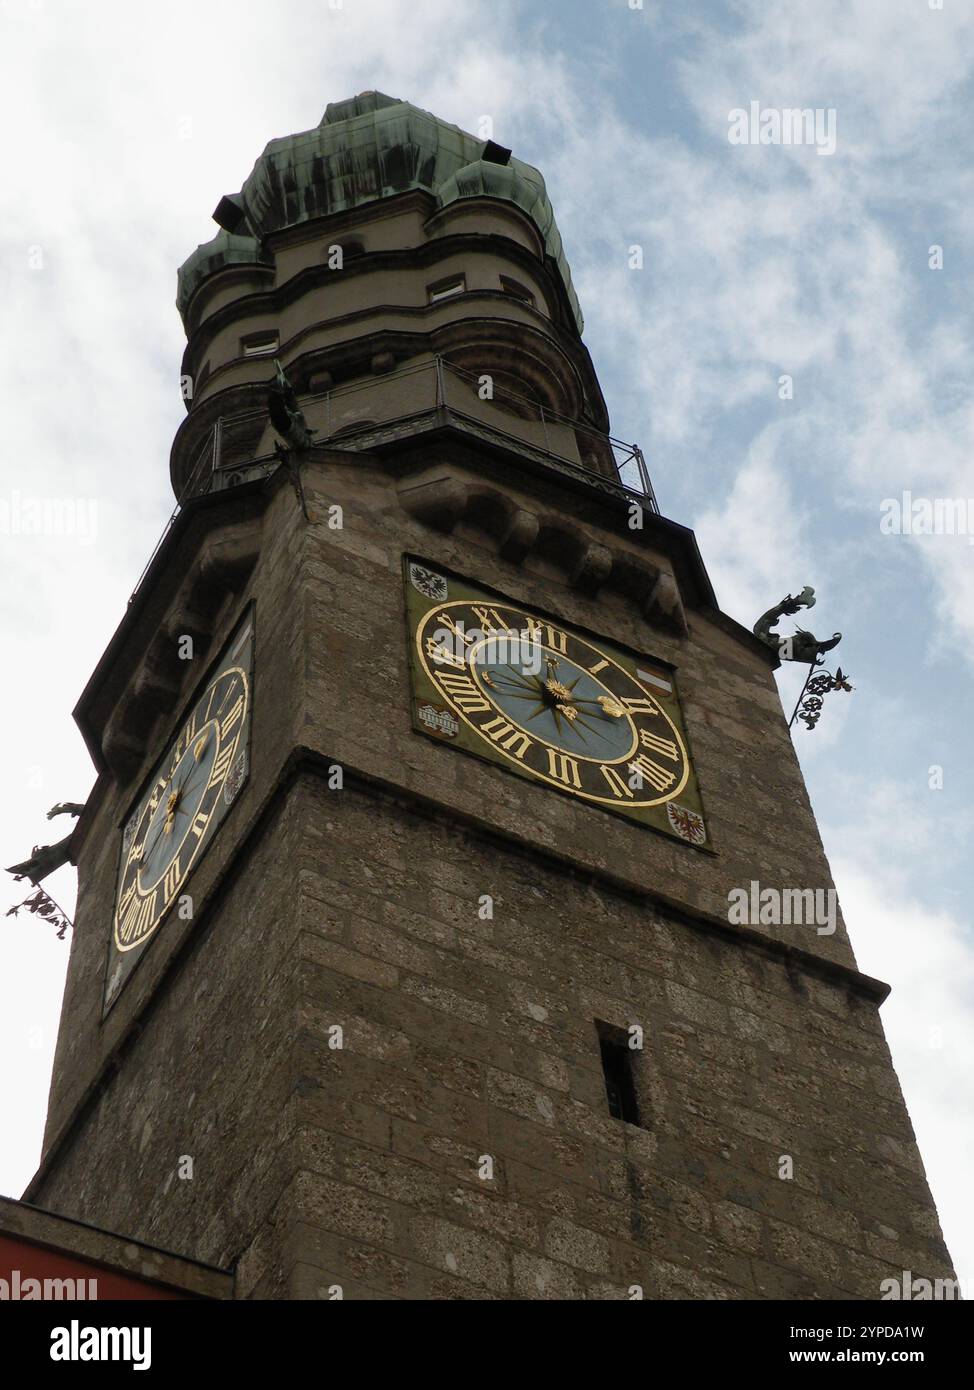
810, 701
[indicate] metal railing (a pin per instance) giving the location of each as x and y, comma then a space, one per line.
397, 404
349, 416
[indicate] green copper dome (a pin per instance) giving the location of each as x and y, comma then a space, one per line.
369, 147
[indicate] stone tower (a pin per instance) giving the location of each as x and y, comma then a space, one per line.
382, 982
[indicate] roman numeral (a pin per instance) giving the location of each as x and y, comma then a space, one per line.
666, 746
645, 706
127, 916
146, 915
138, 917
221, 765
458, 632
462, 692
599, 666
125, 899
200, 822
440, 654
555, 639
507, 736
563, 767
619, 787
491, 620
657, 776
173, 875
236, 711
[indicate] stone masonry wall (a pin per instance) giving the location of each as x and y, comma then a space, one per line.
209, 1076
466, 1037
357, 702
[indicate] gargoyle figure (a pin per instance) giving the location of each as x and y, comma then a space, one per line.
44, 859
287, 417
803, 646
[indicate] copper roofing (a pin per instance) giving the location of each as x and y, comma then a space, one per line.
371, 146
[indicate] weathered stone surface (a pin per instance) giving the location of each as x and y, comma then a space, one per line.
382, 1141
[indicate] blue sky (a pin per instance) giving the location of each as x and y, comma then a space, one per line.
758, 262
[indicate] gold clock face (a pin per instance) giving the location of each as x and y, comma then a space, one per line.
550, 703
175, 818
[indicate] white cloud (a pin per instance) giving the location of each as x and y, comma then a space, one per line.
765, 261
755, 540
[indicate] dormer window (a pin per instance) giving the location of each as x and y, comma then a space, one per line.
446, 289
259, 344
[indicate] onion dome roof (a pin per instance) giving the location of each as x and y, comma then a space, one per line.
369, 147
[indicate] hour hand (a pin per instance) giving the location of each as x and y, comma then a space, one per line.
611, 706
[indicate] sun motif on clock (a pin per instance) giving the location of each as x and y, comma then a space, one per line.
553, 705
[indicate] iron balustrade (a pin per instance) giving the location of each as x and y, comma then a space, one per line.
234, 448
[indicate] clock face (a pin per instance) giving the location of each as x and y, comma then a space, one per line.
176, 816
550, 703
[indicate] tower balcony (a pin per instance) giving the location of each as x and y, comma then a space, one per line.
367, 415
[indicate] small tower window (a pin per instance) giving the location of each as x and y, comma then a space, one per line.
445, 289
516, 290
259, 344
617, 1058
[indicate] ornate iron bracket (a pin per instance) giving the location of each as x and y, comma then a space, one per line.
816, 687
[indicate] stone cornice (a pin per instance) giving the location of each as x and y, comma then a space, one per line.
271, 300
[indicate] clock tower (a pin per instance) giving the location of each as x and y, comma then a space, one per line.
427, 769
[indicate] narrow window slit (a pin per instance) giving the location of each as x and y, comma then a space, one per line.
617, 1069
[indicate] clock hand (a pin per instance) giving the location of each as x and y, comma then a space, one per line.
199, 749
166, 823
186, 787
168, 784
147, 852
551, 695
165, 828
518, 679
611, 706
607, 703
188, 784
